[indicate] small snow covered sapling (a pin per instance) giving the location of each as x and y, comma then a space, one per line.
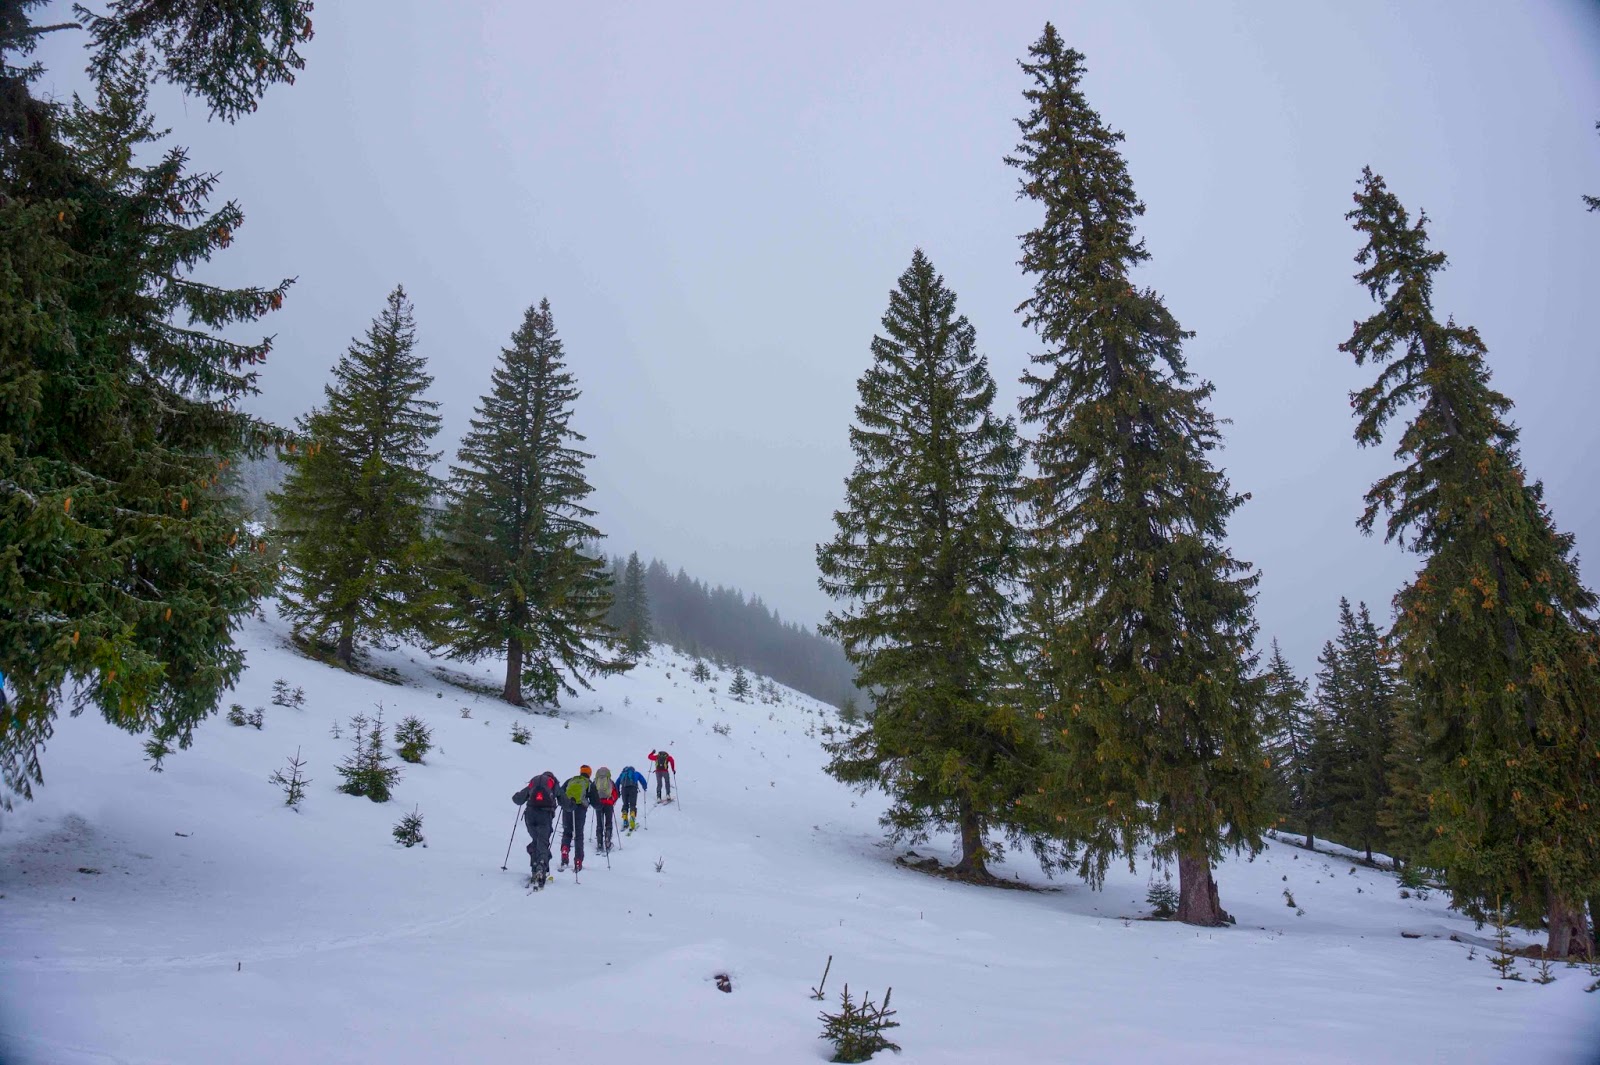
1288, 899
1162, 899
257, 717
721, 728
408, 830
413, 738
236, 715
293, 782
519, 734
1504, 958
367, 770
283, 695
1546, 975
856, 1031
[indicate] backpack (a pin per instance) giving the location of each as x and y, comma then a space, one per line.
578, 790
631, 777
542, 792
661, 760
604, 787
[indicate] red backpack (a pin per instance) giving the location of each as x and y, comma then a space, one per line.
542, 792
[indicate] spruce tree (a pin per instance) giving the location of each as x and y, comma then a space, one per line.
1139, 622
353, 509
739, 687
633, 610
1287, 729
124, 570
922, 566
1357, 704
1403, 813
1496, 632
519, 574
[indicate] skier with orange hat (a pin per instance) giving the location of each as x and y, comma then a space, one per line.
577, 795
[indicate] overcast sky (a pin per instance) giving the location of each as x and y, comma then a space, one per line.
717, 199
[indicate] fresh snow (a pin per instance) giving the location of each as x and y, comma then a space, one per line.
189, 917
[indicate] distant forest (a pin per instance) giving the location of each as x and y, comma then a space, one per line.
722, 625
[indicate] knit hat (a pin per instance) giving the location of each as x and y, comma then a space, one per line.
584, 770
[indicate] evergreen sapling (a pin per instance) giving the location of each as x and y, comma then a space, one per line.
293, 782
408, 830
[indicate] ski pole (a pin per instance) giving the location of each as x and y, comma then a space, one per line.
513, 839
679, 788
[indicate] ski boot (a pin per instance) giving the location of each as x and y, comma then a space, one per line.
564, 859
577, 866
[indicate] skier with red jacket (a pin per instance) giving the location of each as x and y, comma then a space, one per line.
665, 766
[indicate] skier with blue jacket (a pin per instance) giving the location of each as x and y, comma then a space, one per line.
629, 783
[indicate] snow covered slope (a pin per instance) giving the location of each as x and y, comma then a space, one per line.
189, 917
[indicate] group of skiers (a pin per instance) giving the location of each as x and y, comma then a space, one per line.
543, 796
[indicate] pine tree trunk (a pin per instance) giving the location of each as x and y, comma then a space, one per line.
513, 689
345, 651
1569, 932
1197, 892
972, 853
1311, 839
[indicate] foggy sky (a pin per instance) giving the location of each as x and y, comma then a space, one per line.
717, 199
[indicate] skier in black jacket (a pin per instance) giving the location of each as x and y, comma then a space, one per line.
539, 801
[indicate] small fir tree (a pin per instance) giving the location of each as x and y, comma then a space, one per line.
857, 1030
517, 567
412, 738
293, 782
408, 830
922, 567
352, 510
701, 673
520, 734
1139, 626
284, 695
237, 715
1496, 633
366, 771
1162, 898
739, 687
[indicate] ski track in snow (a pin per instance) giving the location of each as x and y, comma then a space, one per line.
188, 917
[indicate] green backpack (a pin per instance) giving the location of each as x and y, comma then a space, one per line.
578, 790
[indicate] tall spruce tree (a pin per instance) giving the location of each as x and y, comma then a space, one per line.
353, 509
1287, 729
1496, 633
1139, 619
124, 570
922, 566
520, 574
1403, 813
633, 609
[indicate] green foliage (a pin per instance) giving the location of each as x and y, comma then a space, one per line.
412, 738
285, 696
922, 565
1162, 899
520, 734
1357, 703
1496, 633
124, 569
408, 830
366, 771
857, 1030
293, 782
237, 716
1138, 627
517, 576
1287, 727
739, 687
632, 610
700, 673
1504, 959
352, 509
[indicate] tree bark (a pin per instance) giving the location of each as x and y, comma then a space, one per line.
1197, 892
1311, 840
345, 652
513, 690
1569, 931
972, 851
